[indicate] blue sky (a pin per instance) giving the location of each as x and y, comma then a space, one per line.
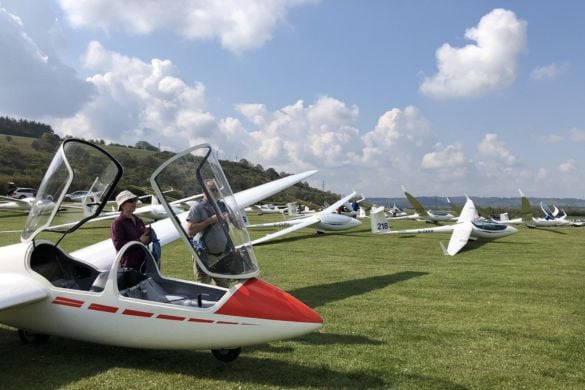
446, 98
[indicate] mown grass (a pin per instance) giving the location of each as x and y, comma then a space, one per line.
506, 314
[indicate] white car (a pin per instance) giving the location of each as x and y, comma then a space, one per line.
21, 193
78, 196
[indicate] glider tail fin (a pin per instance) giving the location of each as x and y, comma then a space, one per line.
415, 204
378, 220
525, 208
292, 209
87, 205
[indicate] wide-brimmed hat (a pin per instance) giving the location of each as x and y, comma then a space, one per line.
124, 197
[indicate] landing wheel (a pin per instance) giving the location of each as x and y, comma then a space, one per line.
27, 337
226, 355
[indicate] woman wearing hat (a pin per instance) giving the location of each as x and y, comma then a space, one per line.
128, 227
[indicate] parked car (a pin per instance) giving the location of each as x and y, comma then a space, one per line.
76, 196
21, 193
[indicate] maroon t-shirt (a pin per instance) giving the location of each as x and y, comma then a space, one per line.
123, 231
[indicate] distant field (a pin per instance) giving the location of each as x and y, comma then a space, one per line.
507, 314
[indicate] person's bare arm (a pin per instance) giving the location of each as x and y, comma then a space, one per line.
195, 227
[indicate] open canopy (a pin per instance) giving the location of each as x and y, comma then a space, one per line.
198, 171
77, 165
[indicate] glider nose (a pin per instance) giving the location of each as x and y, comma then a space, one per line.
258, 299
512, 229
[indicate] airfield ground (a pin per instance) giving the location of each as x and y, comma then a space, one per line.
506, 314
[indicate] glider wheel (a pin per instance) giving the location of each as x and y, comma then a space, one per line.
27, 337
226, 355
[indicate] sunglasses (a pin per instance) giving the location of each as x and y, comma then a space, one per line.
215, 190
131, 200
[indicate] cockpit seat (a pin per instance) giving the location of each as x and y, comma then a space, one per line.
100, 282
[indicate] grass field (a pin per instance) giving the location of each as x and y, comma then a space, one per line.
505, 314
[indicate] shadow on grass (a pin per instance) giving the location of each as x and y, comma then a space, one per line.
315, 296
64, 362
317, 338
552, 230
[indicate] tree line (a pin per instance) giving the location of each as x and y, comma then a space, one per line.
25, 164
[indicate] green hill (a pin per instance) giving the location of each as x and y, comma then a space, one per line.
23, 160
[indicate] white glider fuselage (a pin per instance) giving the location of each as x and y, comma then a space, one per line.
323, 221
336, 222
543, 222
87, 294
233, 318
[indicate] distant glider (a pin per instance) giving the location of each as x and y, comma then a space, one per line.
431, 216
468, 227
549, 220
324, 221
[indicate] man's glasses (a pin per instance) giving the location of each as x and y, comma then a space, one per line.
132, 200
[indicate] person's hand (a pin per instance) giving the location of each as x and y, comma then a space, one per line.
213, 219
145, 237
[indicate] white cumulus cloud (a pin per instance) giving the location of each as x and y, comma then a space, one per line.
568, 166
488, 64
548, 71
239, 24
491, 147
35, 83
139, 100
449, 156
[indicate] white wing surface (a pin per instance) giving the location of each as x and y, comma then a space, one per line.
337, 204
15, 200
286, 223
303, 223
468, 212
436, 229
256, 194
17, 289
459, 238
102, 254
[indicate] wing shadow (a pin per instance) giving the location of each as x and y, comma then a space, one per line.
315, 296
61, 363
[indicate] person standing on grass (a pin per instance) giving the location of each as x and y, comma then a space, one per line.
129, 227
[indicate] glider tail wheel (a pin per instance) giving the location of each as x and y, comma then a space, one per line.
226, 355
27, 337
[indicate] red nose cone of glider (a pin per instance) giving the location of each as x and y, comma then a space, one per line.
258, 299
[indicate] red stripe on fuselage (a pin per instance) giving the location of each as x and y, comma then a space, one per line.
200, 320
167, 317
227, 323
68, 302
98, 307
137, 313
